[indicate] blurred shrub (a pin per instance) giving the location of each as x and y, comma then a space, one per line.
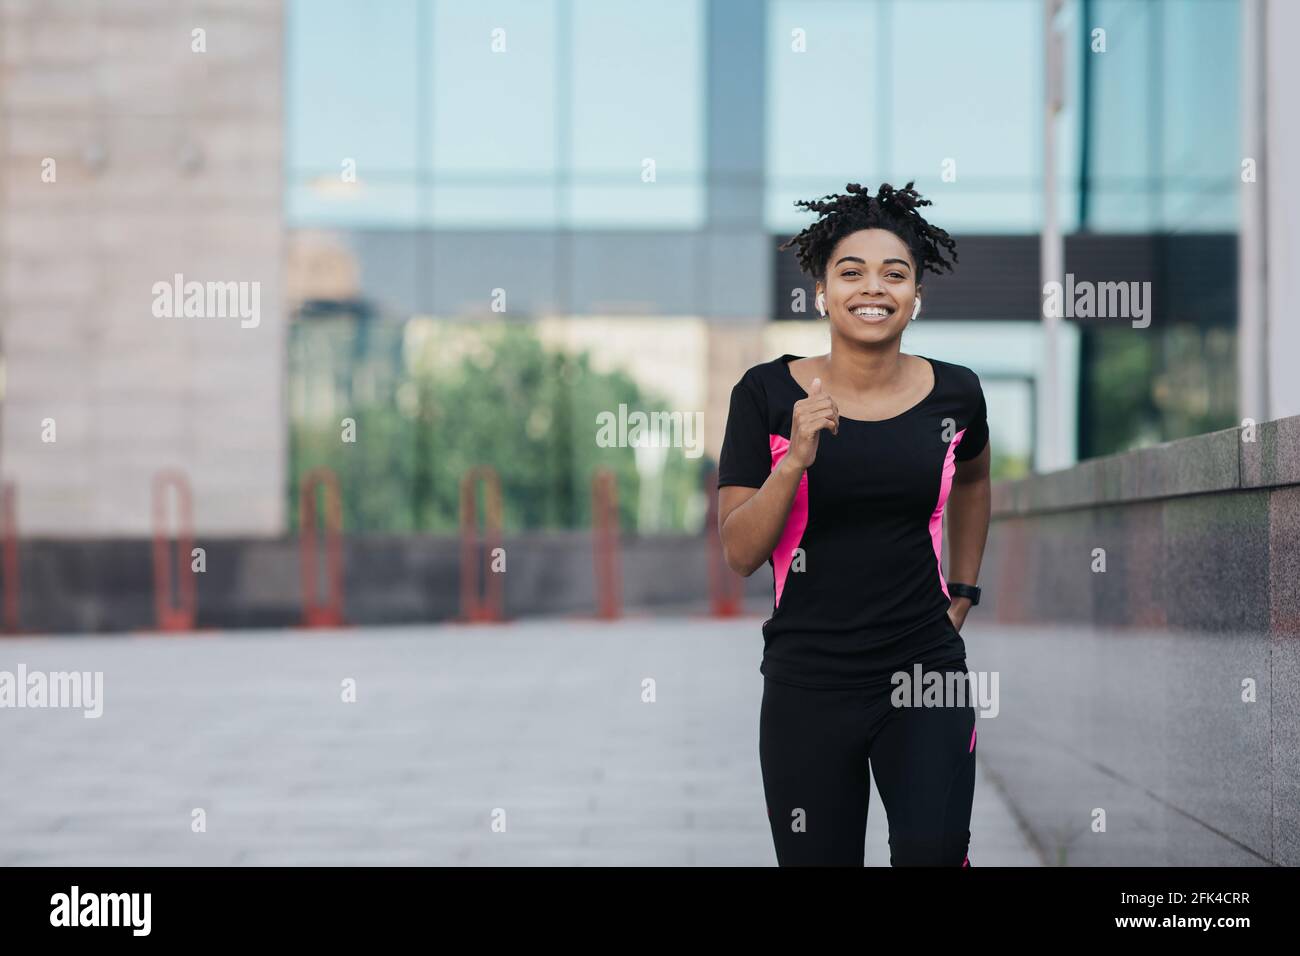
432, 399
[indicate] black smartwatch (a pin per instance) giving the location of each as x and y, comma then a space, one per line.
964, 590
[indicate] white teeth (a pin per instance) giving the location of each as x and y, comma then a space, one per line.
871, 310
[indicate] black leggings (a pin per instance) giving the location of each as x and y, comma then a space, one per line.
814, 746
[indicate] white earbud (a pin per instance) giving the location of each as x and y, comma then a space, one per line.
916, 309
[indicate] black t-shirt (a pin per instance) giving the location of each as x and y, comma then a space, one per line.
858, 591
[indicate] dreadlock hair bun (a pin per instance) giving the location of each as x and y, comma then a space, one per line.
895, 210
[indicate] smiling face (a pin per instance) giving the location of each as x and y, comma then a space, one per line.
870, 287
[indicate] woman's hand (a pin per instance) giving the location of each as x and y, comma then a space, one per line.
957, 611
811, 415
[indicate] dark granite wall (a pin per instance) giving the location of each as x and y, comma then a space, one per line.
1124, 690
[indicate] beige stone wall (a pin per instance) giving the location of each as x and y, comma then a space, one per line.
166, 161
733, 348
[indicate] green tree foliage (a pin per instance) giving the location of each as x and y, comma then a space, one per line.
466, 396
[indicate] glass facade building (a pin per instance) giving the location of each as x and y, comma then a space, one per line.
602, 184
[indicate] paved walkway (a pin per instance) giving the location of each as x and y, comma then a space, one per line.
539, 724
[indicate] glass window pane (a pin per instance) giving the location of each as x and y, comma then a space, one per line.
1124, 194
340, 106
492, 85
1200, 126
638, 94
971, 92
826, 103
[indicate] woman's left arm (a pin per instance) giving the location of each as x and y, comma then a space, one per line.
968, 527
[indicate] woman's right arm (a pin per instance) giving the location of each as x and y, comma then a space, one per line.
750, 520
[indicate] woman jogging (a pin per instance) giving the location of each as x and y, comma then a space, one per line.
837, 470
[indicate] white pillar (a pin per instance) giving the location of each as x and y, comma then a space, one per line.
1252, 351
1281, 206
1051, 446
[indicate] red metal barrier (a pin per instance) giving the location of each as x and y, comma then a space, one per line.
170, 616
605, 549
7, 510
315, 613
726, 587
474, 608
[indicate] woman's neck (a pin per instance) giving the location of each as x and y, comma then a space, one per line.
864, 371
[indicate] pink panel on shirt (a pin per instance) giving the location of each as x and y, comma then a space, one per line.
936, 519
795, 524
